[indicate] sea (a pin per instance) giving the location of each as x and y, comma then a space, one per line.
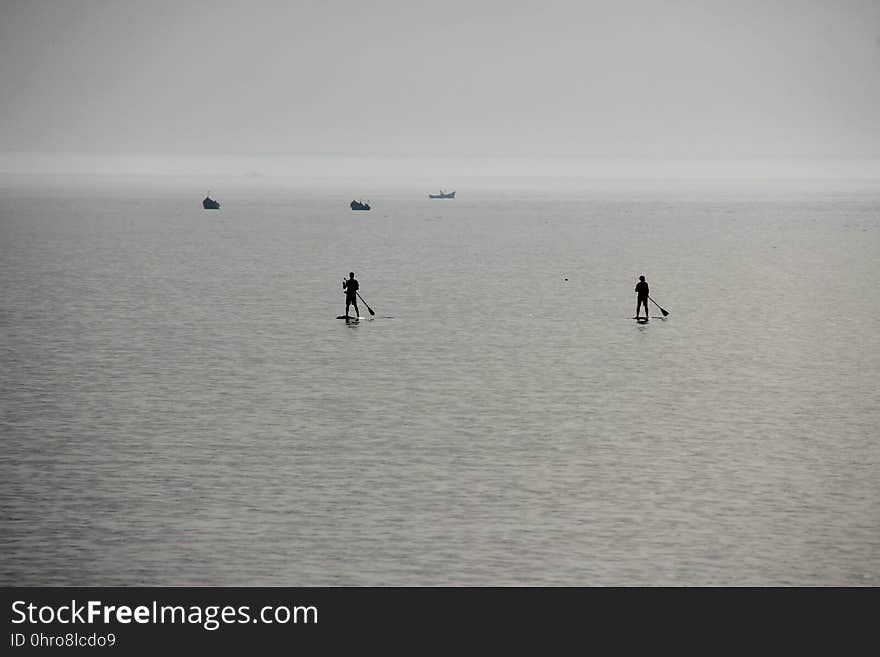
179, 404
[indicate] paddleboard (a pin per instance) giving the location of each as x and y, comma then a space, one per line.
349, 317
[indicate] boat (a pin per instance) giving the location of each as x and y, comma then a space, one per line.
359, 205
210, 204
443, 194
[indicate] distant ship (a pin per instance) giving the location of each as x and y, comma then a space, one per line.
210, 204
443, 194
359, 205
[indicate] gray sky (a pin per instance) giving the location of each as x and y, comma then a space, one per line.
292, 78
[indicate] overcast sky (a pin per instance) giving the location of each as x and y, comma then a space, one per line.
439, 79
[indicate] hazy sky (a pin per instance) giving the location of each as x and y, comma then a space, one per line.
479, 77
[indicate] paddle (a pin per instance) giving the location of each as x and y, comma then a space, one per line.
371, 310
665, 312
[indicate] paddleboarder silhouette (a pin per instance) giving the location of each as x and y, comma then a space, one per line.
642, 298
351, 288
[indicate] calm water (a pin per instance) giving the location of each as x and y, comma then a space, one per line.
179, 405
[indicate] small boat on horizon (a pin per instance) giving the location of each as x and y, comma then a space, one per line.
443, 194
210, 204
359, 205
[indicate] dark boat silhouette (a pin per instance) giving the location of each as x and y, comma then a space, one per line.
359, 205
443, 194
210, 204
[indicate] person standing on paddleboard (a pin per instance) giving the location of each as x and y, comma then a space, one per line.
351, 287
642, 298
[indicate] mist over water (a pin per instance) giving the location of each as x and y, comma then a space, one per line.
558, 77
179, 405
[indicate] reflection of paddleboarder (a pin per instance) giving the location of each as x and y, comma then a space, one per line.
351, 287
642, 292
